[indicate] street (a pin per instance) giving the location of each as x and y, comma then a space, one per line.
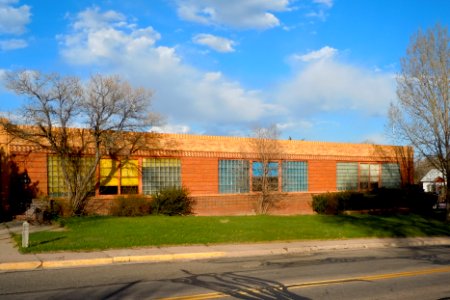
389, 273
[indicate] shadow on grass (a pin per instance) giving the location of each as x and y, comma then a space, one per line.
393, 225
239, 286
34, 244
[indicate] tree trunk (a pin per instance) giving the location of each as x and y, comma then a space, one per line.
447, 201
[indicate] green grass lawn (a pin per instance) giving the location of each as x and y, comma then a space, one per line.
91, 233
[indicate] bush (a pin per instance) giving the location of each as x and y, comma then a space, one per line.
56, 209
320, 203
411, 198
132, 206
333, 203
172, 201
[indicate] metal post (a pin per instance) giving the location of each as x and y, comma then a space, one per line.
25, 234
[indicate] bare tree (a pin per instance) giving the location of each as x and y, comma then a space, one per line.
422, 114
265, 169
80, 123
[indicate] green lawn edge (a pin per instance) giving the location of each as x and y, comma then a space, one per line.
101, 233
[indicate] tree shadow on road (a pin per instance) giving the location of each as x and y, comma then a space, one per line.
240, 286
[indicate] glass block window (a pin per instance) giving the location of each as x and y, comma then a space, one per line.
160, 173
56, 184
233, 176
257, 176
347, 176
295, 176
390, 176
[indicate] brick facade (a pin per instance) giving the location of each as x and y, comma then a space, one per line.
200, 156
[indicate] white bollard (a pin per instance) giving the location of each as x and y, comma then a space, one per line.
25, 234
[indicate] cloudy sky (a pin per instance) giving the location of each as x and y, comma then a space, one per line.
319, 69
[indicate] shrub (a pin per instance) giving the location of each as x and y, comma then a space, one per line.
56, 209
172, 201
382, 199
327, 203
132, 206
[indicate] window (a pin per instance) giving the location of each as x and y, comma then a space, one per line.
271, 171
347, 176
129, 177
113, 172
369, 176
295, 176
390, 175
56, 184
364, 176
160, 173
109, 177
233, 176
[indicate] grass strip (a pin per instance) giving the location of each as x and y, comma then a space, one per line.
97, 233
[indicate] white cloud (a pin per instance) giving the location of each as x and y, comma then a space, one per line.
13, 19
217, 43
98, 36
12, 44
171, 128
324, 85
181, 92
323, 53
295, 125
254, 14
327, 3
320, 15
376, 138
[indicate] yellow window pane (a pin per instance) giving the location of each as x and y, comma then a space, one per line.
127, 181
130, 173
108, 169
130, 168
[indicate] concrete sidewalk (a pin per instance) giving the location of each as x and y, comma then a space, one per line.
12, 260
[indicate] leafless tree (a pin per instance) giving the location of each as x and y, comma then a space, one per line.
80, 123
267, 150
421, 116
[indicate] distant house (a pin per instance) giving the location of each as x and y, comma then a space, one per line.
433, 181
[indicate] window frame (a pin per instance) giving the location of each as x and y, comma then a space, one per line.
275, 187
294, 178
234, 182
160, 164
370, 177
115, 184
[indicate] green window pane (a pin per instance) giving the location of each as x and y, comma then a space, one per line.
56, 184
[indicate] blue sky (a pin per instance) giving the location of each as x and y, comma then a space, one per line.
319, 69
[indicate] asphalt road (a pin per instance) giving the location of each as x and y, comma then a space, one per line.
391, 273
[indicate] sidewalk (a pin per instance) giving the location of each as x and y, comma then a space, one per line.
12, 260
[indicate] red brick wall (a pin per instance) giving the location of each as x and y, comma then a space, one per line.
322, 175
200, 175
235, 204
36, 165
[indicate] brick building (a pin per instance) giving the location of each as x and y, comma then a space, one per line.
221, 173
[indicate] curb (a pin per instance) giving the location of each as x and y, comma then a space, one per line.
54, 264
20, 266
155, 258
